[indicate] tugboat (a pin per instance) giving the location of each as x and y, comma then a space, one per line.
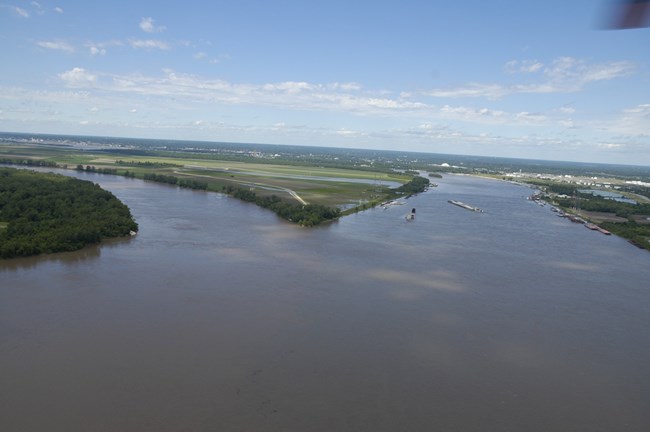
411, 216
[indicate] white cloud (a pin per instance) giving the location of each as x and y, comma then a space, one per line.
100, 48
149, 44
633, 121
38, 8
288, 94
610, 146
478, 115
58, 10
203, 56
192, 101
345, 86
78, 77
289, 87
56, 45
571, 70
146, 25
491, 91
524, 66
18, 11
94, 50
568, 123
487, 116
563, 75
569, 74
349, 133
49, 97
530, 118
193, 107
607, 71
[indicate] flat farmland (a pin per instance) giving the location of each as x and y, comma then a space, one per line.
329, 186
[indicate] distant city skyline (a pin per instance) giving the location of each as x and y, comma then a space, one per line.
535, 80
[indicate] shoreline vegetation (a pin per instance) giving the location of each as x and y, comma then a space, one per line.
313, 185
44, 213
629, 220
304, 214
330, 190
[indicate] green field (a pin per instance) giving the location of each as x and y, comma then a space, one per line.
327, 186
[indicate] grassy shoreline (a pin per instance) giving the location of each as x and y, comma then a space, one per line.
294, 192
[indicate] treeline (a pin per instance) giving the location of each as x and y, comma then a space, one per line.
637, 234
45, 213
304, 215
147, 164
173, 180
29, 162
94, 169
416, 185
558, 188
599, 204
571, 189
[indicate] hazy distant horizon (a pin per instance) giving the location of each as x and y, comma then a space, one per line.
530, 80
3, 134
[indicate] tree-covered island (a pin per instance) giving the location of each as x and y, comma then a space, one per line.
46, 213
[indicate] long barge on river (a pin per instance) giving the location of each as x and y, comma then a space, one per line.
465, 206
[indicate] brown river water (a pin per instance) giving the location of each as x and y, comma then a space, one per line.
219, 316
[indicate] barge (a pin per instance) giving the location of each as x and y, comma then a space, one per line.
465, 206
597, 228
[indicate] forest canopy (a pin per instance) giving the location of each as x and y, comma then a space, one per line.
46, 213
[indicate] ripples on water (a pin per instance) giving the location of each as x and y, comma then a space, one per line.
221, 316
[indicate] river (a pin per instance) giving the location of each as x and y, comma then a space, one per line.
219, 316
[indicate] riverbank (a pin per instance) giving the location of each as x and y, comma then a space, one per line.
633, 227
305, 195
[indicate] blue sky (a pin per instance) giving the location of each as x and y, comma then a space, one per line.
501, 78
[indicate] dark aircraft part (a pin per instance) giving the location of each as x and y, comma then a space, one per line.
630, 14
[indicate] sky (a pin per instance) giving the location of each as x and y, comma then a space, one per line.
526, 79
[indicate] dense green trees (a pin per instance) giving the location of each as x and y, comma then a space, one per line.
147, 164
304, 215
599, 204
637, 234
173, 180
44, 213
558, 188
94, 169
29, 162
416, 185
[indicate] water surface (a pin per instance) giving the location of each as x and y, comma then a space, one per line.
220, 316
